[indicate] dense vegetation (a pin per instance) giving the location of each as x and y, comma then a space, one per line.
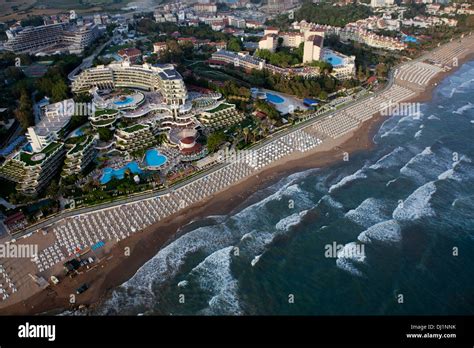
316, 87
283, 56
325, 13
157, 31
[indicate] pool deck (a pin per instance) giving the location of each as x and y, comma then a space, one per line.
288, 100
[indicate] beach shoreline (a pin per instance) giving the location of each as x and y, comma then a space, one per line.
117, 268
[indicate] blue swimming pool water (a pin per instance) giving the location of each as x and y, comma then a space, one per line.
28, 147
78, 132
334, 59
153, 158
110, 173
276, 99
127, 100
410, 39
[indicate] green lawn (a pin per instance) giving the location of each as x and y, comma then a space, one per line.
105, 112
221, 107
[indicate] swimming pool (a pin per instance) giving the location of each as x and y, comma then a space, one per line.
126, 101
410, 39
333, 59
153, 158
273, 98
78, 132
110, 173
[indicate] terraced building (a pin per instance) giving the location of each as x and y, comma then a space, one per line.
80, 154
134, 138
223, 115
33, 171
160, 78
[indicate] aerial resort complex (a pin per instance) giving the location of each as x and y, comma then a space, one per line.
125, 130
145, 108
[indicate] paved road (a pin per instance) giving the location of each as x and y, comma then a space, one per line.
87, 62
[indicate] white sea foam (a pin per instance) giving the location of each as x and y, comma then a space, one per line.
215, 276
426, 165
385, 231
347, 179
293, 220
389, 160
448, 174
247, 218
183, 283
352, 251
433, 117
348, 266
166, 263
331, 202
351, 254
463, 108
417, 205
368, 213
390, 182
246, 236
255, 260
418, 134
457, 172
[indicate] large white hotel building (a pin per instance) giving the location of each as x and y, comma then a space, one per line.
163, 78
60, 36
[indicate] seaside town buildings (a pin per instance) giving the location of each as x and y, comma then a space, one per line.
130, 54
345, 69
60, 36
381, 3
313, 42
354, 32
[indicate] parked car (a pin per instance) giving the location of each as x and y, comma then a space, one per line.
82, 288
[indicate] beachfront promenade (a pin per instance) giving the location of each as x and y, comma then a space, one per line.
77, 230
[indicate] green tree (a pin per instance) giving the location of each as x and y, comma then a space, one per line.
215, 140
234, 44
105, 134
24, 112
59, 91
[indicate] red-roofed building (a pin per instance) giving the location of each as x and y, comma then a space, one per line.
159, 47
15, 222
131, 54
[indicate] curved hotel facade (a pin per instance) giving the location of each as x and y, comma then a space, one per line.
162, 78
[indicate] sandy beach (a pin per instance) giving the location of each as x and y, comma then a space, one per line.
117, 267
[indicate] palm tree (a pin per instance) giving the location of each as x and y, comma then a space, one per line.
255, 133
246, 132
